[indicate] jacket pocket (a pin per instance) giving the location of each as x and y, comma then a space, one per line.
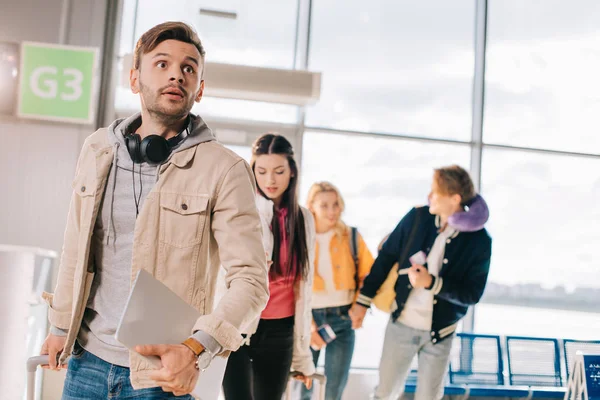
182, 219
84, 187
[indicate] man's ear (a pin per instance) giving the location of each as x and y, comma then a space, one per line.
200, 92
457, 199
134, 80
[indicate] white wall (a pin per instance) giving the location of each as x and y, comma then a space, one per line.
37, 159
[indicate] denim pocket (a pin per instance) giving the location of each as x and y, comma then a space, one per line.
78, 351
343, 313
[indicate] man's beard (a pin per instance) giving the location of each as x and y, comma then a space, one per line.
159, 113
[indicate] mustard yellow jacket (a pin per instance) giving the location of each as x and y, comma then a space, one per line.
343, 264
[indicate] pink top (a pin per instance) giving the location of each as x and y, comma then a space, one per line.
282, 300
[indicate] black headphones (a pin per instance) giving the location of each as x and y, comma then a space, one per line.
154, 149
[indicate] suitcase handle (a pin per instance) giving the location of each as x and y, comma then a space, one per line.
32, 364
315, 377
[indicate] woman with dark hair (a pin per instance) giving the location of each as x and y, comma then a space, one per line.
279, 342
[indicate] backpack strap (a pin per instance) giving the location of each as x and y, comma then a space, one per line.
354, 249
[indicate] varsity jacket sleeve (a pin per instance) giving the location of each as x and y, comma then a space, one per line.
387, 257
468, 291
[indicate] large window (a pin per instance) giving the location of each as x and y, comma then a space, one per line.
544, 210
400, 67
542, 86
407, 68
380, 179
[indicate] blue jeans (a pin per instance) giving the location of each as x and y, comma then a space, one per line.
400, 346
338, 354
89, 377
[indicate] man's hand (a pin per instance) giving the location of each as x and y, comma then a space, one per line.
419, 277
53, 345
178, 373
357, 315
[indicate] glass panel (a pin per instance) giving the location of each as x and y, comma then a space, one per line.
380, 179
542, 80
394, 66
543, 210
249, 39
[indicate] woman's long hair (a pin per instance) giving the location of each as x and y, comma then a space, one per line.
297, 259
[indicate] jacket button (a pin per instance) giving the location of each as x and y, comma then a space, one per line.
184, 206
434, 341
409, 286
432, 333
82, 189
448, 241
445, 261
434, 301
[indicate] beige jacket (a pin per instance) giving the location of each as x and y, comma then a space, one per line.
200, 214
302, 360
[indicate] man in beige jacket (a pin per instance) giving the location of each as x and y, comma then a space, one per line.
155, 191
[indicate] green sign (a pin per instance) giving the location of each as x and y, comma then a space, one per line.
57, 82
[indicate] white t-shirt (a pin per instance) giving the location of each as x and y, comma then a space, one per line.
330, 297
418, 310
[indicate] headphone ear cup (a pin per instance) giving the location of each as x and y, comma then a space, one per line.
132, 141
155, 149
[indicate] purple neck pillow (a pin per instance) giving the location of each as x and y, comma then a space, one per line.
473, 218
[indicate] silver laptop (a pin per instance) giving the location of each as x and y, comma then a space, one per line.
156, 315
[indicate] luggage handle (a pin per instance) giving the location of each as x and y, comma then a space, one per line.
32, 364
315, 377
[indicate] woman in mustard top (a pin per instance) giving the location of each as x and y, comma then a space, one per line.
337, 278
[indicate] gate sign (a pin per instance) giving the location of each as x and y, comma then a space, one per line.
584, 382
591, 367
57, 82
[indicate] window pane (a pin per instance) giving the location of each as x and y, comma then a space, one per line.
380, 179
394, 66
543, 214
250, 39
542, 80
